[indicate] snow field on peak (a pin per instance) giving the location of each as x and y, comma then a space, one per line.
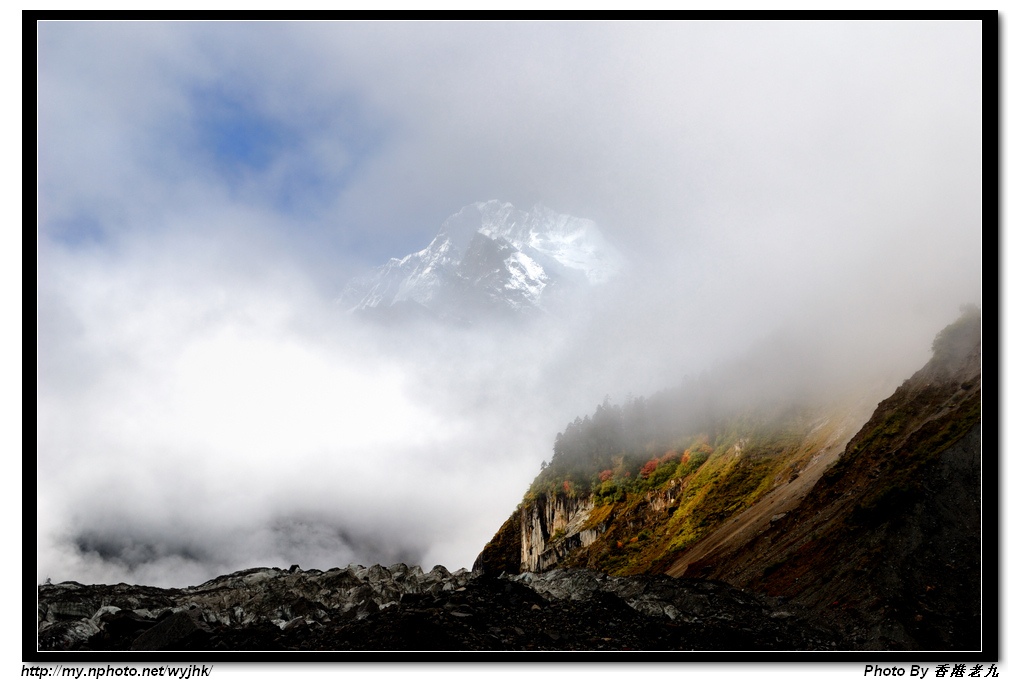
572, 242
543, 244
526, 275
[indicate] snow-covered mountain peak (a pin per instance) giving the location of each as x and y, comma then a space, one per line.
490, 255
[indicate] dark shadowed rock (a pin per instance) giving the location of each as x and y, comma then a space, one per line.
182, 630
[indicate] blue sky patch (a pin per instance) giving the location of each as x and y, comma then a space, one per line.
236, 135
239, 141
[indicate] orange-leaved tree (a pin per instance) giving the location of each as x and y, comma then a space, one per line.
649, 467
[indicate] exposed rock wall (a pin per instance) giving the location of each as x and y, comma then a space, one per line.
552, 528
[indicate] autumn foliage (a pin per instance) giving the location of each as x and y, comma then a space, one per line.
702, 447
606, 475
649, 467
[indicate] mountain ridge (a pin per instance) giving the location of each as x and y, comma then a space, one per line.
489, 256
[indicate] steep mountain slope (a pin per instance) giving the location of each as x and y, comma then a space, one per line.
875, 524
489, 256
888, 541
637, 503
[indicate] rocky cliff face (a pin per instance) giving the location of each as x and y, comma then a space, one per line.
539, 534
551, 528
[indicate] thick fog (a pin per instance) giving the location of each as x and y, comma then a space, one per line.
805, 196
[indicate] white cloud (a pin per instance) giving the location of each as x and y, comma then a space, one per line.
197, 388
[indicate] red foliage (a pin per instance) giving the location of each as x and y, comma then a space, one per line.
669, 457
606, 475
686, 458
566, 486
649, 467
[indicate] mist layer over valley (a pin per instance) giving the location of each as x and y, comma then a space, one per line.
782, 230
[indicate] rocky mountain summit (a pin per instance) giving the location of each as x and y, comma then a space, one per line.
488, 258
401, 607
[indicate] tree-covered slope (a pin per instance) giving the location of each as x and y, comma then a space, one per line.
653, 476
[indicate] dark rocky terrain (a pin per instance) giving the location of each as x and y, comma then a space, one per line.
400, 608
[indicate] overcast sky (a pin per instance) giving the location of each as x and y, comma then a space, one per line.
206, 190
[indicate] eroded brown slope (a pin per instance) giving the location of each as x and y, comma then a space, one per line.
887, 543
